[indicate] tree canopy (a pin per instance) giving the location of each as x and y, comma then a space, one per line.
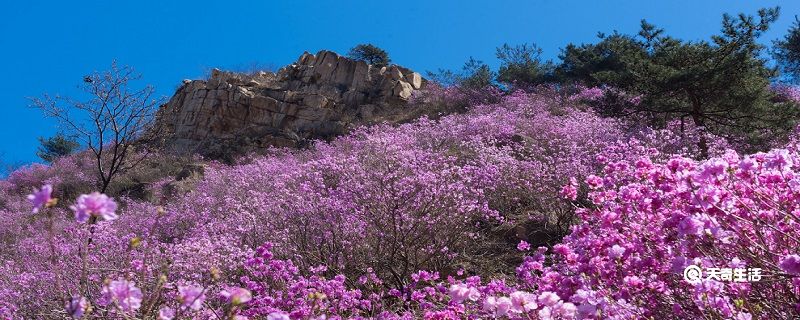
522, 65
787, 52
722, 85
56, 146
370, 54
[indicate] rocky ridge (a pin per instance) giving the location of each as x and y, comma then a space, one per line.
317, 97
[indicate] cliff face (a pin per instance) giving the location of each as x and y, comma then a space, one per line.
318, 96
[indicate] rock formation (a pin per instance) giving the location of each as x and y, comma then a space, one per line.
317, 97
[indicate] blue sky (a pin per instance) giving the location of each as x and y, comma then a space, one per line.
47, 46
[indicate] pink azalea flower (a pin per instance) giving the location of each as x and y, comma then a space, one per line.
548, 298
236, 295
690, 225
278, 316
523, 246
566, 310
523, 302
124, 294
570, 191
499, 307
489, 304
616, 251
791, 264
191, 296
94, 204
503, 306
77, 307
41, 197
166, 313
461, 292
594, 181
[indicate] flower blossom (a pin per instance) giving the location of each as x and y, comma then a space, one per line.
236, 296
461, 292
548, 298
166, 313
95, 204
570, 191
42, 198
77, 307
278, 316
498, 306
690, 225
523, 302
616, 251
191, 297
124, 294
791, 264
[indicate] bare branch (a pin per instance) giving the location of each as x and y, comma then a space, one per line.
109, 121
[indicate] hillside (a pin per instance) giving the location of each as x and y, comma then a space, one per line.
513, 207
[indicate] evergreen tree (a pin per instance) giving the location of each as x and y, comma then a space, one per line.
521, 65
722, 85
787, 51
476, 74
370, 54
56, 147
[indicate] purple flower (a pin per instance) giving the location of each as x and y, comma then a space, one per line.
41, 198
191, 296
124, 294
690, 225
77, 307
236, 296
94, 204
278, 316
594, 181
498, 306
166, 313
523, 246
566, 310
713, 170
570, 191
503, 306
744, 316
548, 298
523, 302
791, 264
461, 292
616, 251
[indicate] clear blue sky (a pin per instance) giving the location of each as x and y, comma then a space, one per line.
47, 46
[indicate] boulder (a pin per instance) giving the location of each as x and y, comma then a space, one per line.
318, 96
415, 79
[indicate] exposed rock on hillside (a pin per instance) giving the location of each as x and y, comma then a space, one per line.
318, 96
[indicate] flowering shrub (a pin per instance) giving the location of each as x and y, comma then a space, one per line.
399, 199
529, 207
447, 99
654, 219
385, 201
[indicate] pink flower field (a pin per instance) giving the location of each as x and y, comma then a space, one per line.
531, 206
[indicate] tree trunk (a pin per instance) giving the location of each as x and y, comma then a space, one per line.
697, 117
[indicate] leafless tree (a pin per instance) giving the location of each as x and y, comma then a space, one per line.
108, 123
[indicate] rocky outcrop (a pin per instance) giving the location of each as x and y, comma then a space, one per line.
317, 97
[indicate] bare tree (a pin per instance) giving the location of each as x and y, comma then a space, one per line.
109, 122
